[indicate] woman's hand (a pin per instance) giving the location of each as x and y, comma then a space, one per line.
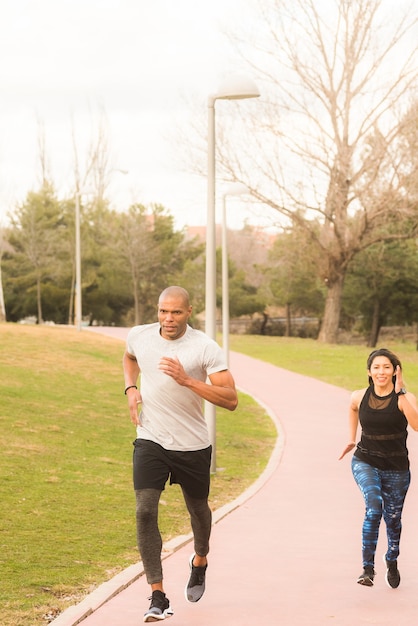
399, 379
347, 449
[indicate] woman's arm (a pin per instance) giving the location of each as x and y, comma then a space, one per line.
356, 398
407, 403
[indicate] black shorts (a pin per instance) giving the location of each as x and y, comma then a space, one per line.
153, 465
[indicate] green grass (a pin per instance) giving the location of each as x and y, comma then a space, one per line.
67, 505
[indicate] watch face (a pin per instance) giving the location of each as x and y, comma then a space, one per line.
402, 391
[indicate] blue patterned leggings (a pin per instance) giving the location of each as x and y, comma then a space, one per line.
384, 494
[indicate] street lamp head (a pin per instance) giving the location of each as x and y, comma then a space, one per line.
237, 88
236, 189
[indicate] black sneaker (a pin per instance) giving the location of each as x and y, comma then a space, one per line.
159, 607
393, 577
367, 577
196, 586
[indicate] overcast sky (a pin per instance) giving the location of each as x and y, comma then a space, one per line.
131, 58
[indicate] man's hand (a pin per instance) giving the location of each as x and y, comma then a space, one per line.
173, 368
134, 403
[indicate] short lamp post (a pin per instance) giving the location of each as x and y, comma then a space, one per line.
234, 189
235, 88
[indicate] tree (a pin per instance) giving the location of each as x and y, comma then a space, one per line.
244, 295
152, 255
249, 248
382, 287
324, 141
36, 240
291, 276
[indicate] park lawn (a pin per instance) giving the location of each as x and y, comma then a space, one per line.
67, 505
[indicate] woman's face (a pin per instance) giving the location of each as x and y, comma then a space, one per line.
381, 371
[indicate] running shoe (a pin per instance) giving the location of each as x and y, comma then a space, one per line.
195, 587
159, 608
393, 577
367, 576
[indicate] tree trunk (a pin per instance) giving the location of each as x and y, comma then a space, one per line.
375, 329
138, 307
2, 305
288, 330
137, 314
331, 319
39, 300
264, 324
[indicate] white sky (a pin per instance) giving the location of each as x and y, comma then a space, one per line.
64, 59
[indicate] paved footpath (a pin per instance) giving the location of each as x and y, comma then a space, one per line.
288, 551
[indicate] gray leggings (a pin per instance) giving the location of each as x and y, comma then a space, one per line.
149, 536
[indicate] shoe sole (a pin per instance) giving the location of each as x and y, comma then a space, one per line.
366, 581
158, 618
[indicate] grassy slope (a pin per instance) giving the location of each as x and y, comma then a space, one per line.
67, 507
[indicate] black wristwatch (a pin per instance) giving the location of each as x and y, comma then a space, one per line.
401, 392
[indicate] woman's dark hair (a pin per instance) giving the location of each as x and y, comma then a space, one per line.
389, 355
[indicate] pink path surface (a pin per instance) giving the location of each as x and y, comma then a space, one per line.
289, 551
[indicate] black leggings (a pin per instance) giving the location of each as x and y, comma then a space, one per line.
384, 494
149, 536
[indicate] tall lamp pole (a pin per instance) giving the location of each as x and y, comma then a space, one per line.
78, 304
235, 88
234, 189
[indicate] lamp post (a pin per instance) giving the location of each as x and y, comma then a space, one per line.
235, 189
78, 304
235, 88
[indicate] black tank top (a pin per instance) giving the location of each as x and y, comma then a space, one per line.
384, 432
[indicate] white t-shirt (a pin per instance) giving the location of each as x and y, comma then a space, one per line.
171, 415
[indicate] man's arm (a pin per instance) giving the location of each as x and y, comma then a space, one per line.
131, 372
130, 369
